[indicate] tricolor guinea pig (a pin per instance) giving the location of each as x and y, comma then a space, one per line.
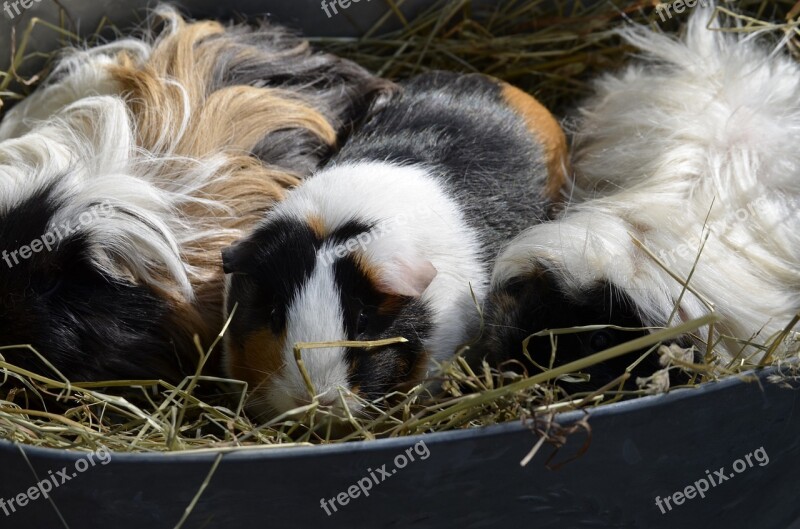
184, 138
392, 239
697, 139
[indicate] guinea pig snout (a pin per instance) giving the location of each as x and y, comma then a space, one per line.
334, 400
233, 258
327, 385
325, 370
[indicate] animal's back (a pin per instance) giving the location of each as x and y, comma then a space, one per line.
497, 149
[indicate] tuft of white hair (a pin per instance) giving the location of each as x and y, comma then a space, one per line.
79, 73
698, 137
87, 155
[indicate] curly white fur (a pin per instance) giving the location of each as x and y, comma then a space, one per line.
698, 136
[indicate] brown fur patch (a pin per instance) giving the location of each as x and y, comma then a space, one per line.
317, 225
371, 272
391, 305
257, 358
417, 372
177, 114
547, 131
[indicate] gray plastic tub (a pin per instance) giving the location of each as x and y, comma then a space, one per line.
639, 451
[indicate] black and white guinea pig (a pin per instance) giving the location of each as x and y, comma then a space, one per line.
698, 138
184, 139
388, 240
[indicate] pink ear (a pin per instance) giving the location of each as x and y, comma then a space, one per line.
404, 276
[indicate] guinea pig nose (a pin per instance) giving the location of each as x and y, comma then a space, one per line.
326, 399
329, 399
227, 260
234, 257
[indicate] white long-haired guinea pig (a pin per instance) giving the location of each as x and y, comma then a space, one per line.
699, 135
186, 137
388, 240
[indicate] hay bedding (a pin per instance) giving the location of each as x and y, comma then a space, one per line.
552, 48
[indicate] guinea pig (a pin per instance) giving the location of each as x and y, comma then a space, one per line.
695, 140
393, 238
91, 265
203, 128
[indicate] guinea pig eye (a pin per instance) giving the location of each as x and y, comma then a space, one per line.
276, 318
601, 340
362, 322
48, 287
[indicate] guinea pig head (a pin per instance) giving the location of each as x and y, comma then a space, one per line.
537, 302
58, 295
556, 276
91, 271
297, 281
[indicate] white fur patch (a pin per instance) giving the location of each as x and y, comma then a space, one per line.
80, 74
707, 127
314, 315
420, 220
88, 152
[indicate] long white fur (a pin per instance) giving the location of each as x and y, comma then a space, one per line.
79, 73
702, 127
77, 131
88, 152
314, 316
433, 229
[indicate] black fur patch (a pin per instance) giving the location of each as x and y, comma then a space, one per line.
375, 372
268, 55
534, 303
349, 231
270, 267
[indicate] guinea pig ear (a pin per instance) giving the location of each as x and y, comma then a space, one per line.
382, 96
234, 258
404, 276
